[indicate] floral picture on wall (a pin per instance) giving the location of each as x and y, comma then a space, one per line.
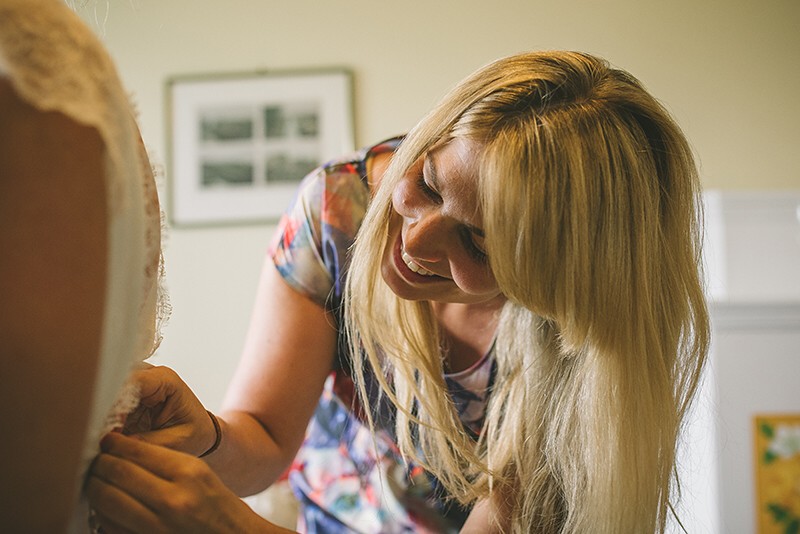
777, 451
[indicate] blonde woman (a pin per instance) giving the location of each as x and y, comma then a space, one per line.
521, 315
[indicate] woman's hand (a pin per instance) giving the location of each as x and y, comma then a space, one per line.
135, 486
169, 414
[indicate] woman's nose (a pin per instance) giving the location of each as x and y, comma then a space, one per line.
424, 237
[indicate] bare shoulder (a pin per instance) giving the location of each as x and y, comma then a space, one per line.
28, 130
53, 234
52, 204
53, 162
52, 184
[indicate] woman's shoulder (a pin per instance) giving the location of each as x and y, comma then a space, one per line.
34, 137
55, 62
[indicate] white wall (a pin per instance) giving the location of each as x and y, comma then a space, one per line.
727, 68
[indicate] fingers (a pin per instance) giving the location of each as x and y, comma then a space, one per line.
139, 487
169, 414
157, 384
177, 437
162, 462
113, 489
138, 421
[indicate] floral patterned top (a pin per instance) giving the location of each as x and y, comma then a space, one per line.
346, 478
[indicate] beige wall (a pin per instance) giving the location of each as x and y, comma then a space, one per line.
727, 69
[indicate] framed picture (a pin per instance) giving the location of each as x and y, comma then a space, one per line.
240, 144
777, 462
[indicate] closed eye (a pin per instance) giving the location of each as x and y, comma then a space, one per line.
472, 246
427, 190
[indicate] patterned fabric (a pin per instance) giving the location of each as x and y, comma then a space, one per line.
346, 478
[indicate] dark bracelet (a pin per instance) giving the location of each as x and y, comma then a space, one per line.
218, 439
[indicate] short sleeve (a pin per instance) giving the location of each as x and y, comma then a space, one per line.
311, 247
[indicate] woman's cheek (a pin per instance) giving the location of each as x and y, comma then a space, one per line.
475, 279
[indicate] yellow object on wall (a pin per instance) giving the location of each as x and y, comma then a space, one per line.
777, 460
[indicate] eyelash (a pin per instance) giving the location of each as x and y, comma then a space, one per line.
427, 190
472, 249
466, 236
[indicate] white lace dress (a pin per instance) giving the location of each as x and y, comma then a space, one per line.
55, 63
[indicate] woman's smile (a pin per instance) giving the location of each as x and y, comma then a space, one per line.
407, 268
435, 246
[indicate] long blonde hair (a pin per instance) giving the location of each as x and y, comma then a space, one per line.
590, 199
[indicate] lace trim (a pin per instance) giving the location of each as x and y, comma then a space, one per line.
57, 64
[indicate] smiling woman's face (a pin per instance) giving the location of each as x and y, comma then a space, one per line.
435, 249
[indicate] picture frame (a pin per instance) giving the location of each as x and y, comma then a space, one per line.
239, 144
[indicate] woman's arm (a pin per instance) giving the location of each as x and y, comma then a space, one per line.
52, 291
288, 353
139, 487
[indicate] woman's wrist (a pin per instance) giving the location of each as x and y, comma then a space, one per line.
217, 435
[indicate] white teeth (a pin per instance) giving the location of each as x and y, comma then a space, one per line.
414, 267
